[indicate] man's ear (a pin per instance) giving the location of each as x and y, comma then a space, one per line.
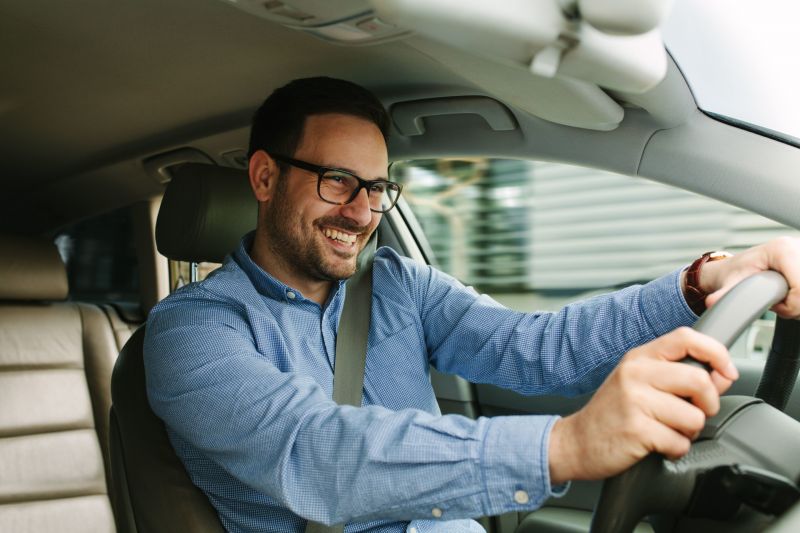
264, 173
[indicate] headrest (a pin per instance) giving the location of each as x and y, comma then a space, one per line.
205, 212
31, 269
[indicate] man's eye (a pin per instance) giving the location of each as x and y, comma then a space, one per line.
378, 187
334, 178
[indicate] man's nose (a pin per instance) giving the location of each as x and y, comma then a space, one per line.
358, 210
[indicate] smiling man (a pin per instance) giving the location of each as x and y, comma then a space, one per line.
240, 366
309, 244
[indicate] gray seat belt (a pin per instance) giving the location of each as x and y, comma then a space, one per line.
351, 345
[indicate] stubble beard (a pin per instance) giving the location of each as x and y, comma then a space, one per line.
299, 248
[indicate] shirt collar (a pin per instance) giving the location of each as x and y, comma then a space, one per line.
264, 282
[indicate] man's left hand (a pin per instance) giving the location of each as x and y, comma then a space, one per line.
781, 254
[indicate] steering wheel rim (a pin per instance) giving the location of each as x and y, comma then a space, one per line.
622, 505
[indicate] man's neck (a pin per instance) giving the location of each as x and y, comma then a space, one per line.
274, 265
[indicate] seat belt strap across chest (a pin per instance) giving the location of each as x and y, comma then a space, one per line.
351, 345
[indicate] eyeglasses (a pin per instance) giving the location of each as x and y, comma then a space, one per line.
340, 187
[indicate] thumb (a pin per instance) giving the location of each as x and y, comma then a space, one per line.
716, 296
730, 282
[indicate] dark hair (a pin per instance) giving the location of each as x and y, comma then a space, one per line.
278, 123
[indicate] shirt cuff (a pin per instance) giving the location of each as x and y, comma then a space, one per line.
663, 305
515, 463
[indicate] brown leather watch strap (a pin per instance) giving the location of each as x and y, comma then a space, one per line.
695, 296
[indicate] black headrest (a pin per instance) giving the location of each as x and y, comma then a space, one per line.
205, 211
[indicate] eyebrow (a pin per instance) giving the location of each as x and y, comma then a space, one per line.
354, 173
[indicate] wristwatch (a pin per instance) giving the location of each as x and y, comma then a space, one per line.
695, 296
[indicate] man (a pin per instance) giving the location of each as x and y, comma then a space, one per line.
240, 366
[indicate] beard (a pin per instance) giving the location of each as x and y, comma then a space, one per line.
303, 248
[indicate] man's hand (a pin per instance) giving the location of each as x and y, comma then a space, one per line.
650, 403
782, 255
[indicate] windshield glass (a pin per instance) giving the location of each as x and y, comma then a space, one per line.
741, 59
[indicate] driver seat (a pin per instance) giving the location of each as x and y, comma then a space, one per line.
205, 211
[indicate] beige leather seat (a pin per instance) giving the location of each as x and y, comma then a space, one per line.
55, 367
205, 211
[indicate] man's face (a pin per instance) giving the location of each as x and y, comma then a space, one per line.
321, 241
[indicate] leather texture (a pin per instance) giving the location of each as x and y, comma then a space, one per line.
122, 329
100, 353
73, 466
83, 514
55, 363
205, 211
147, 475
31, 269
44, 400
52, 469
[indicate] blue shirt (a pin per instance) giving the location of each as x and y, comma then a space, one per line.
240, 368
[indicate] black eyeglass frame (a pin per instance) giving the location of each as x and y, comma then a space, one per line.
362, 183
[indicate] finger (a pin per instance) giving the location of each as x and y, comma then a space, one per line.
686, 381
666, 441
717, 295
678, 414
783, 255
790, 307
721, 383
684, 342
730, 272
733, 278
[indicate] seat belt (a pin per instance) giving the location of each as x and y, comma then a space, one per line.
351, 345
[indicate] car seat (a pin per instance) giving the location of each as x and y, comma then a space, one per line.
55, 366
205, 211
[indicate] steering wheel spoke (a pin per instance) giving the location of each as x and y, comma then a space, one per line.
749, 446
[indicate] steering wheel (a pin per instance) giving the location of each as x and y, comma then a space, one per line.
744, 467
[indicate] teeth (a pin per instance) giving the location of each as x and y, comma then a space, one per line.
339, 235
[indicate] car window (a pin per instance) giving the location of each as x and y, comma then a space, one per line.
180, 272
100, 256
538, 235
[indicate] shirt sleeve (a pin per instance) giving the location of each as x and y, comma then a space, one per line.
277, 432
568, 352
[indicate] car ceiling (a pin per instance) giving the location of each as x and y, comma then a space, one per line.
93, 88
95, 81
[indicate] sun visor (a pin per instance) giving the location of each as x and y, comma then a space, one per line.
546, 44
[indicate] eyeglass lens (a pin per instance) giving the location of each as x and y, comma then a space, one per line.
338, 187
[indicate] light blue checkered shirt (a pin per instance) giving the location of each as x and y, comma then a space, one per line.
240, 367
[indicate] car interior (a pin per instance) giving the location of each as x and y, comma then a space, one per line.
549, 151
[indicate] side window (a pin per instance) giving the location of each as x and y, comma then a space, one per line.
180, 273
538, 235
100, 257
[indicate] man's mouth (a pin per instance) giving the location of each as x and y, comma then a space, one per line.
340, 236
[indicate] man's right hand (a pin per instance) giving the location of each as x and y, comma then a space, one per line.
649, 403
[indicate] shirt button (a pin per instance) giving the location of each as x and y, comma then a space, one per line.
412, 530
436, 512
521, 497
291, 295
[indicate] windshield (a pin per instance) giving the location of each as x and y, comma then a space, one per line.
741, 59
